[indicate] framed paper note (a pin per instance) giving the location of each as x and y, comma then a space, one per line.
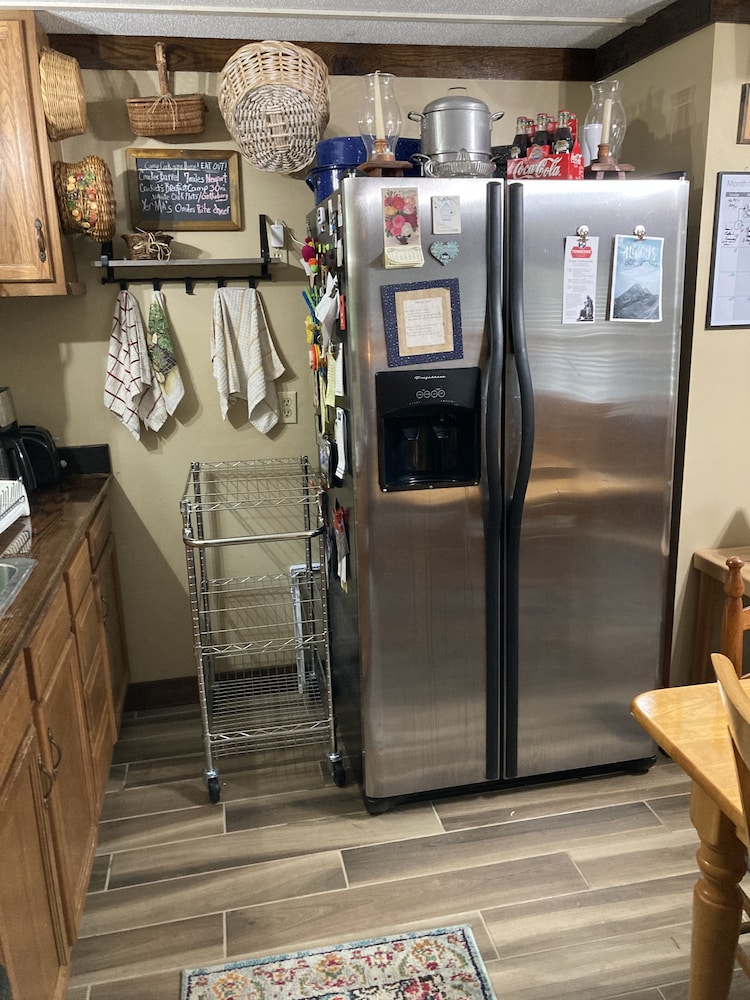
422, 322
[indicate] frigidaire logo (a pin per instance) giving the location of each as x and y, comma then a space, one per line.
427, 378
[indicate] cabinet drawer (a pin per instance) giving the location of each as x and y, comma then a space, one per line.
98, 532
15, 715
78, 576
43, 651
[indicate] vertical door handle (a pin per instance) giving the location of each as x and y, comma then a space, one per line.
57, 750
40, 240
50, 781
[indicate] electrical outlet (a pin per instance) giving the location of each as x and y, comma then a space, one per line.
288, 407
277, 236
282, 256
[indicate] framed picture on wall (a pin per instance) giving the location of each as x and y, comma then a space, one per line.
743, 127
729, 278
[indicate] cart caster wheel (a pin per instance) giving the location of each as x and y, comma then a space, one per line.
214, 790
338, 773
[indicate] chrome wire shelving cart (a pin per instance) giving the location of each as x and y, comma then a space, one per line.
261, 638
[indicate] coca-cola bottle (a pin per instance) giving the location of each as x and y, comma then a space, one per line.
563, 142
541, 135
520, 146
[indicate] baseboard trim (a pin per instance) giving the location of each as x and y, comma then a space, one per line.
167, 693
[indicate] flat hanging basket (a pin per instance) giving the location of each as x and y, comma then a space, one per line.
63, 96
85, 198
274, 99
166, 114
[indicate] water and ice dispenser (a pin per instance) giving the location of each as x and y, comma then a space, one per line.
428, 428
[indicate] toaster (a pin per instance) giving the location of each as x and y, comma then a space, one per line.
43, 456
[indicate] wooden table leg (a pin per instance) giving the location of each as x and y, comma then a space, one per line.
717, 901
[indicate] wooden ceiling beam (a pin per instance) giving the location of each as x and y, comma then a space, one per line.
208, 55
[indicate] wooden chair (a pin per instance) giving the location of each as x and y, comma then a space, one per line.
736, 700
735, 619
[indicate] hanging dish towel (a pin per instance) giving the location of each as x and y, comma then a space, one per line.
244, 358
161, 353
128, 389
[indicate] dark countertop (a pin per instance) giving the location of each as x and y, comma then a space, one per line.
59, 516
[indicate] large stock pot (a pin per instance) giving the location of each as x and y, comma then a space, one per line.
456, 125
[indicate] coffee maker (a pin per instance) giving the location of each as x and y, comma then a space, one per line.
14, 458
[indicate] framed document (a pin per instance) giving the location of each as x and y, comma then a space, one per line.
422, 322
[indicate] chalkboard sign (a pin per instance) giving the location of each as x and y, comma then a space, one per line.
173, 189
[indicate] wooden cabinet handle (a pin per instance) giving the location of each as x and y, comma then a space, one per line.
58, 750
50, 781
40, 240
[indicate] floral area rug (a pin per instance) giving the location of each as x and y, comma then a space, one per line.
442, 964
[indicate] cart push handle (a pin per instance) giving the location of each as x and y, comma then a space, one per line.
286, 536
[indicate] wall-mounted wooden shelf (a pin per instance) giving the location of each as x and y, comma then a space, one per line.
251, 269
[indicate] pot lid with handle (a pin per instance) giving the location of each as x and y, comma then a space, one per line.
458, 100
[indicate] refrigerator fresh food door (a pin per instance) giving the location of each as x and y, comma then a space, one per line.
591, 412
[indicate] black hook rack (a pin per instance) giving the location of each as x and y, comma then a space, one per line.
113, 268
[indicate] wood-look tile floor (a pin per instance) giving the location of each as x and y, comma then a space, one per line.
576, 890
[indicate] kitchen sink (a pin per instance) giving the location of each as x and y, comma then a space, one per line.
14, 572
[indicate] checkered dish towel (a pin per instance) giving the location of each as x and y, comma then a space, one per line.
130, 390
245, 361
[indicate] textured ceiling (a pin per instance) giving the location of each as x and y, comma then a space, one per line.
503, 23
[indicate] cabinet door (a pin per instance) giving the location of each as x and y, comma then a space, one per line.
31, 247
106, 580
97, 689
65, 749
34, 949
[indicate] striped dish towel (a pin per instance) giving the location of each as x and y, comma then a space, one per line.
128, 389
245, 362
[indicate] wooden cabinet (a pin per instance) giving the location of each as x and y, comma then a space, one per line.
58, 727
35, 258
55, 683
34, 946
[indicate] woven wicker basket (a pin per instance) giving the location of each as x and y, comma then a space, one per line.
85, 198
166, 114
148, 246
274, 99
63, 97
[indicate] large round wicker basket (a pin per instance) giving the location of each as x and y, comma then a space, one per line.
63, 97
274, 99
85, 198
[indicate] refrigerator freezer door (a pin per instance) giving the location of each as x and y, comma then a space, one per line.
419, 553
587, 632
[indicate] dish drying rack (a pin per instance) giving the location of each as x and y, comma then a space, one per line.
14, 502
261, 640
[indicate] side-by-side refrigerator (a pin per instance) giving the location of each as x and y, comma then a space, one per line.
509, 398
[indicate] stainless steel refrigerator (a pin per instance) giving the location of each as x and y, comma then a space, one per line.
509, 401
